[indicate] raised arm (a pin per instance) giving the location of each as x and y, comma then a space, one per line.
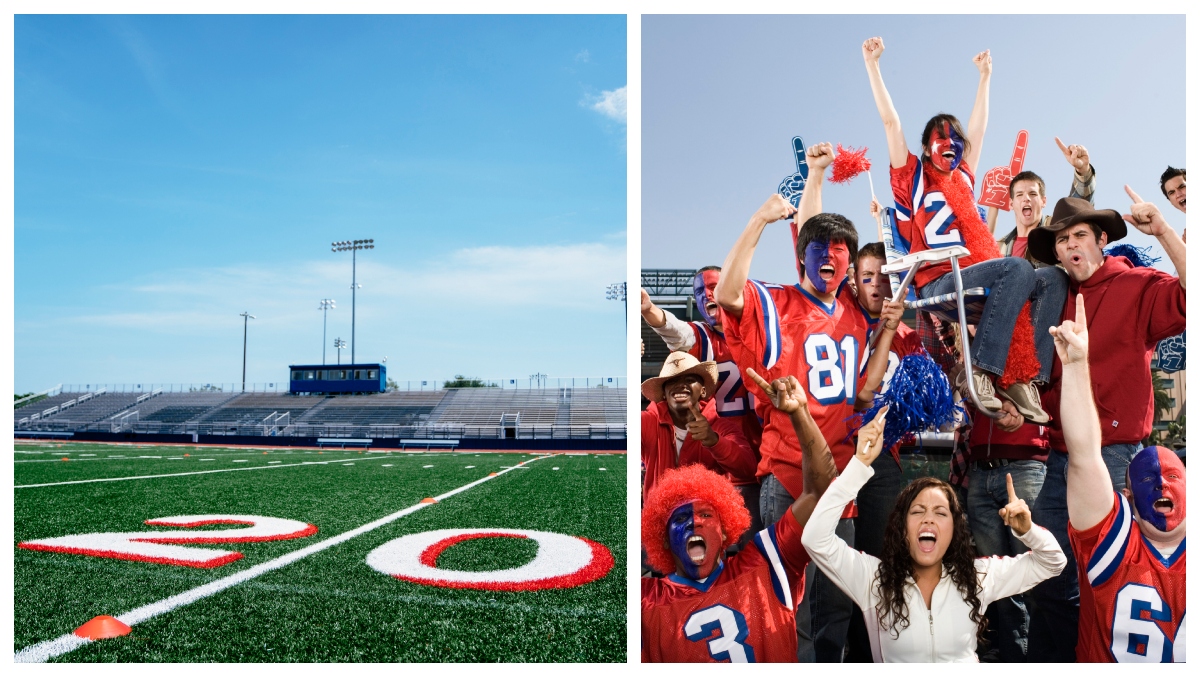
736, 269
819, 158
676, 333
977, 125
897, 148
1083, 182
1147, 218
787, 395
1089, 488
877, 366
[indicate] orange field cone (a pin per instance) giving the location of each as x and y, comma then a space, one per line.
103, 627
264, 453
65, 458
491, 474
428, 500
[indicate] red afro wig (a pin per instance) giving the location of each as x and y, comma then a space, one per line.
678, 486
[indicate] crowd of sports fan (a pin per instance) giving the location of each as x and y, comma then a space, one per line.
772, 530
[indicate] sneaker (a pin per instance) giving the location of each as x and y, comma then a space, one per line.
1027, 401
983, 389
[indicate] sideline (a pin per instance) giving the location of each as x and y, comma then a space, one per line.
44, 651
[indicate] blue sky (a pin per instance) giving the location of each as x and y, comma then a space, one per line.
172, 172
723, 96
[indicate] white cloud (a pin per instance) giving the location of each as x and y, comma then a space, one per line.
583, 56
611, 104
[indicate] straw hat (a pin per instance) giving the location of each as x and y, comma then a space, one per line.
680, 364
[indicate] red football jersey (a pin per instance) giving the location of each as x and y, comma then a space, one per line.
786, 331
744, 612
731, 398
1132, 601
923, 219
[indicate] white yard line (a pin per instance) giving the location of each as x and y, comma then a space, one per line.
44, 651
179, 474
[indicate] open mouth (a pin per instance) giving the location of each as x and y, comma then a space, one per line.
948, 154
696, 549
1075, 259
1164, 506
711, 307
1027, 212
926, 541
680, 396
826, 272
1183, 202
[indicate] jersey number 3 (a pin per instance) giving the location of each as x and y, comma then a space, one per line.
729, 644
1138, 639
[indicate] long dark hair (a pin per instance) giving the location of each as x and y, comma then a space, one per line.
896, 565
936, 121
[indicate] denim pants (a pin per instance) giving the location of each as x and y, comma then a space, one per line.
750, 499
987, 493
876, 500
823, 616
1012, 282
1054, 627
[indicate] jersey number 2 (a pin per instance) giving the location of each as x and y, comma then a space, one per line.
730, 644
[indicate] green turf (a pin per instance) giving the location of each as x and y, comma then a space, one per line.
330, 606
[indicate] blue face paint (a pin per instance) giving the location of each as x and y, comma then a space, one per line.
817, 254
681, 527
1145, 483
945, 138
704, 287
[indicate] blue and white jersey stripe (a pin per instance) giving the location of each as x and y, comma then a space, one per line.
769, 547
773, 341
1111, 551
706, 347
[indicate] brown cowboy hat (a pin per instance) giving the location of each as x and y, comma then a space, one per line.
1068, 212
680, 364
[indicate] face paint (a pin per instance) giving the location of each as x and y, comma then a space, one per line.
697, 525
1157, 481
827, 255
704, 287
945, 140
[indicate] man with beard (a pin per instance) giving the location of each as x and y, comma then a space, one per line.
1131, 310
705, 340
681, 426
814, 330
1130, 544
739, 609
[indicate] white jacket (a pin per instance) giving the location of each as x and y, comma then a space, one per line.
944, 633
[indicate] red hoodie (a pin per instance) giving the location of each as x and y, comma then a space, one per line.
731, 455
1129, 310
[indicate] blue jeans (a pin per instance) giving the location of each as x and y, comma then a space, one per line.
1011, 282
823, 616
876, 500
987, 493
1054, 628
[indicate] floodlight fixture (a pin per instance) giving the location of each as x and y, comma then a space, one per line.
326, 305
353, 246
616, 292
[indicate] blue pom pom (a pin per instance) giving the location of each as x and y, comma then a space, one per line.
1139, 256
920, 398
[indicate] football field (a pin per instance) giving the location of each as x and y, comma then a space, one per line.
215, 554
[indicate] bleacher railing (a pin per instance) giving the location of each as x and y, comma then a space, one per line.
522, 383
127, 422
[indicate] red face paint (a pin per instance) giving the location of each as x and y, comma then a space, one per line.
704, 288
825, 265
945, 148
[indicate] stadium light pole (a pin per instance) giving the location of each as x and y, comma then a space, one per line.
326, 304
339, 344
353, 246
246, 317
616, 292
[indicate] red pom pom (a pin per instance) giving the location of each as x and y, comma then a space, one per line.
1022, 365
849, 163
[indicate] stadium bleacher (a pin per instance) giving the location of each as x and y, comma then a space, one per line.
550, 413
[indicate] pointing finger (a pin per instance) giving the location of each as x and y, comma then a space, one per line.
758, 380
1012, 493
1061, 146
1080, 313
1133, 196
